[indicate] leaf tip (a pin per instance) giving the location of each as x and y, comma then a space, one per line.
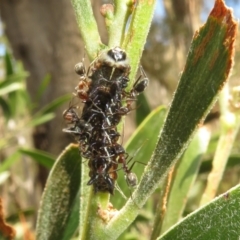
220, 10
224, 15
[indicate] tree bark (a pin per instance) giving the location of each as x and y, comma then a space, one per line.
45, 37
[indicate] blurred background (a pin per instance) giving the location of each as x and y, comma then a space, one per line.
39, 45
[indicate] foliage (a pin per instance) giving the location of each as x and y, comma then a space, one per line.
16, 108
176, 153
18, 120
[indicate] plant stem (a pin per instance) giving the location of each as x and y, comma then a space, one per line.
88, 27
230, 123
117, 27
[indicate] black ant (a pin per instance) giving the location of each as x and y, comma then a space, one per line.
139, 86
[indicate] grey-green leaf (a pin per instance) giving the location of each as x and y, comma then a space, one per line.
59, 195
218, 220
185, 175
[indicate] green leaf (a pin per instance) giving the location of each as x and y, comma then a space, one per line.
59, 195
213, 144
137, 32
87, 26
86, 211
217, 220
37, 120
185, 175
19, 102
73, 221
142, 109
140, 146
39, 156
122, 10
43, 86
233, 160
229, 125
203, 77
5, 108
8, 162
9, 68
11, 88
52, 106
18, 77
208, 64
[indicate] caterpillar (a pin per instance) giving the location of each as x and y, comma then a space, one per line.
102, 90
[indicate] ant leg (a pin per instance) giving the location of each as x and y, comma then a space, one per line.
120, 191
134, 164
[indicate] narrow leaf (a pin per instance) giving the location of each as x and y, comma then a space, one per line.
37, 120
143, 108
87, 26
43, 86
186, 173
140, 146
137, 33
217, 220
8, 162
52, 106
229, 125
233, 160
41, 157
85, 204
203, 77
73, 221
11, 88
208, 65
122, 11
9, 68
59, 195
5, 108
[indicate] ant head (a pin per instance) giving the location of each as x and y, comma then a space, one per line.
70, 116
